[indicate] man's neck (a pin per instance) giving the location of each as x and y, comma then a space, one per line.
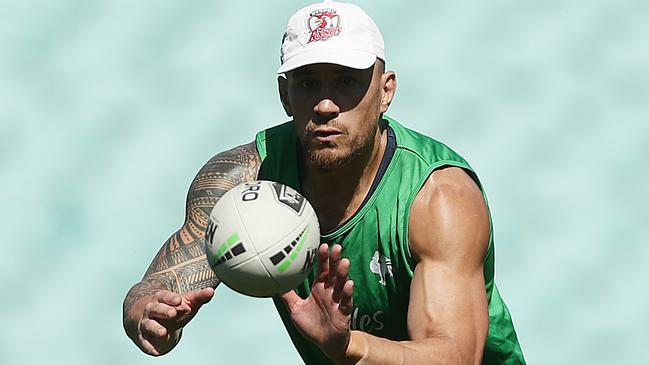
337, 194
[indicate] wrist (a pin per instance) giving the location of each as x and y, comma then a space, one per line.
354, 350
357, 347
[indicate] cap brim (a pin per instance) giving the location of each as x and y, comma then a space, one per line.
349, 58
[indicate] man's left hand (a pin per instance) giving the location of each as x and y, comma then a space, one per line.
324, 316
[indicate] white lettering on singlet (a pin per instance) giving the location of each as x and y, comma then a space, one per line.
366, 322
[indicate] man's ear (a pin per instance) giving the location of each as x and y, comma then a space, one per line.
388, 89
282, 85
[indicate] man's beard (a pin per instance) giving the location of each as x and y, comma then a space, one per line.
326, 156
329, 156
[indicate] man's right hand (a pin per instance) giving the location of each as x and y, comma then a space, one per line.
164, 316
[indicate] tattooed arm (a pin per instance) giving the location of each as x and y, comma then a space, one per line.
180, 280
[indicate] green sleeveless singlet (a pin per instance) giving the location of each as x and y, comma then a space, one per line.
375, 239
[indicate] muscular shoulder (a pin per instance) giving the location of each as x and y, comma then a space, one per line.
449, 219
223, 172
240, 163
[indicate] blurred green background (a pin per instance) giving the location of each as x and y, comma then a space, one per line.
109, 108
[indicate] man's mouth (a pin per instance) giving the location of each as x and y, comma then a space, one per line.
326, 134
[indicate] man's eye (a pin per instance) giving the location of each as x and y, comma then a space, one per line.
347, 81
307, 83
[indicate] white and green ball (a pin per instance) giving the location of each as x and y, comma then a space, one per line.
262, 238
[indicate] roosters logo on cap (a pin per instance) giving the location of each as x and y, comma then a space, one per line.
323, 24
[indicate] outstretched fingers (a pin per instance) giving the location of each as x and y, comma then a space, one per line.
339, 279
341, 287
323, 263
333, 276
334, 260
346, 302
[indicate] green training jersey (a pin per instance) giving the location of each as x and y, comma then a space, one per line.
375, 239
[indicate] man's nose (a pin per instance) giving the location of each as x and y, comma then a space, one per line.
326, 109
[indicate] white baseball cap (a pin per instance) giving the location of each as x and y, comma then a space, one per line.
331, 32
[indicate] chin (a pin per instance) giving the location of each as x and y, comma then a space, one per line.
328, 158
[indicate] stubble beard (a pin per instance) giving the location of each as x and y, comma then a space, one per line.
327, 156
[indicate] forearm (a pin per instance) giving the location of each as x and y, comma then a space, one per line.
366, 349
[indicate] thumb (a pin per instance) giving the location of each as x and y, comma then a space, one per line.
290, 299
197, 298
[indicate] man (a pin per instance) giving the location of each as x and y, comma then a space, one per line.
407, 277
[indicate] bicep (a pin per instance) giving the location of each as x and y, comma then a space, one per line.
181, 264
446, 303
449, 233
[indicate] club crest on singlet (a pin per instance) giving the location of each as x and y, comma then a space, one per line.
381, 266
323, 24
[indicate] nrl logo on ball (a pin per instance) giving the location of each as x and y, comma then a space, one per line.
289, 197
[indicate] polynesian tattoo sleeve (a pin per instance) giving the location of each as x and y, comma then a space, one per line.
181, 264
